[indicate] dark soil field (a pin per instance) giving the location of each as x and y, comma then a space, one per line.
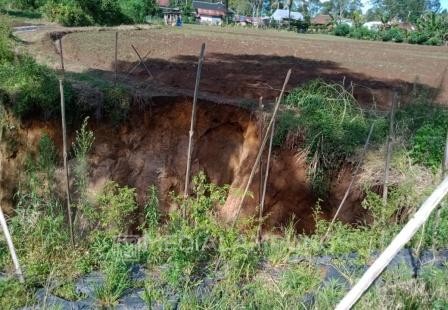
244, 63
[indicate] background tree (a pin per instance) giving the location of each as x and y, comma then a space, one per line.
406, 10
341, 8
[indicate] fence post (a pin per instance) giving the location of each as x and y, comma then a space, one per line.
265, 183
64, 145
193, 119
260, 151
116, 58
403, 237
389, 149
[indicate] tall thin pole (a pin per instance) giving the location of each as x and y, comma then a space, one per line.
389, 149
445, 160
347, 192
5, 229
116, 58
260, 152
265, 183
64, 145
193, 119
403, 237
61, 56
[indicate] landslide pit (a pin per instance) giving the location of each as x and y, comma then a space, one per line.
151, 148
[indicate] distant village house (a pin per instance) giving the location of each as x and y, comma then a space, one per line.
210, 13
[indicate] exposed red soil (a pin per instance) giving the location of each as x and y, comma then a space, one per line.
151, 148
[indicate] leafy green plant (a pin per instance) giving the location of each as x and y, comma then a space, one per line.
14, 295
116, 104
81, 148
47, 156
331, 125
116, 205
342, 30
151, 208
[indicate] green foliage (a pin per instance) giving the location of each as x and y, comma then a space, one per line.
138, 10
330, 123
116, 205
67, 13
116, 104
342, 30
30, 87
116, 270
151, 208
47, 155
99, 12
424, 127
14, 295
81, 148
393, 34
362, 33
6, 54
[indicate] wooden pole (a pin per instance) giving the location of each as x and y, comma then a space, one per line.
265, 183
142, 62
347, 192
445, 160
64, 146
389, 149
4, 225
403, 237
193, 119
260, 152
61, 56
64, 152
116, 58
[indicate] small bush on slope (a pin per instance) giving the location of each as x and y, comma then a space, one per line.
331, 125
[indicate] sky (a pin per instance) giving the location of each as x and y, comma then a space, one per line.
444, 4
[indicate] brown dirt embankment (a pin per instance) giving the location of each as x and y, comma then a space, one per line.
151, 148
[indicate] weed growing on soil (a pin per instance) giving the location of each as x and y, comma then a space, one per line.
331, 125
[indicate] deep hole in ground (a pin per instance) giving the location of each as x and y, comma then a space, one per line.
150, 147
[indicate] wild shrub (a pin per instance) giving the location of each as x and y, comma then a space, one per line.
424, 127
361, 33
47, 156
138, 10
116, 205
330, 123
67, 13
393, 34
151, 209
417, 37
14, 295
30, 87
342, 30
81, 148
116, 104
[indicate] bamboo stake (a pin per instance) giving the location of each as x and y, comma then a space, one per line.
116, 58
389, 149
347, 192
139, 62
61, 56
403, 237
445, 161
260, 152
64, 146
193, 119
142, 62
5, 229
64, 151
265, 183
